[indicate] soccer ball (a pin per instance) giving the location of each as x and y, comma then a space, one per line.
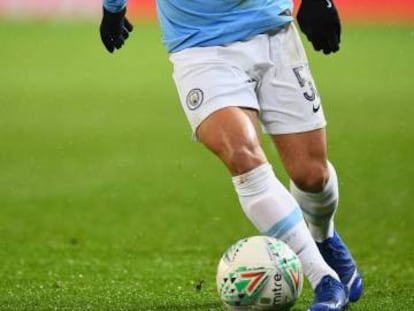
259, 273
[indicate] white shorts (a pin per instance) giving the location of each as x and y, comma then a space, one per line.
268, 73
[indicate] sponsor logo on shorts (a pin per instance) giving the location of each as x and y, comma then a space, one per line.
194, 99
315, 108
328, 4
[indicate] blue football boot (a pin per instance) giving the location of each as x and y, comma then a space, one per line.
330, 295
338, 257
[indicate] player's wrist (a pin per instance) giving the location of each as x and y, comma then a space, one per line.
327, 3
119, 14
315, 1
114, 6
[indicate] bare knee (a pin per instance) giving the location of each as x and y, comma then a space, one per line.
242, 158
310, 177
231, 134
240, 153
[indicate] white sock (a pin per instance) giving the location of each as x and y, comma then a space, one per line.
274, 212
319, 208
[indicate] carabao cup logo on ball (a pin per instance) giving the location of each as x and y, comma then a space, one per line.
194, 99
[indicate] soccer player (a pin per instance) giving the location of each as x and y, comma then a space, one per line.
240, 63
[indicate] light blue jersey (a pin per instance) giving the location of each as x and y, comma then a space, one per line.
197, 23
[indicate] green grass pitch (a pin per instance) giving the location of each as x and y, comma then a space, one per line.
107, 204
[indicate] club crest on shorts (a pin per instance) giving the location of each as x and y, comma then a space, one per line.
194, 99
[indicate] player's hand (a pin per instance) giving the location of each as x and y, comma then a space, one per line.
115, 29
319, 21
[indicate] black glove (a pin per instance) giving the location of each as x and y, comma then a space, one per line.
319, 21
115, 29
